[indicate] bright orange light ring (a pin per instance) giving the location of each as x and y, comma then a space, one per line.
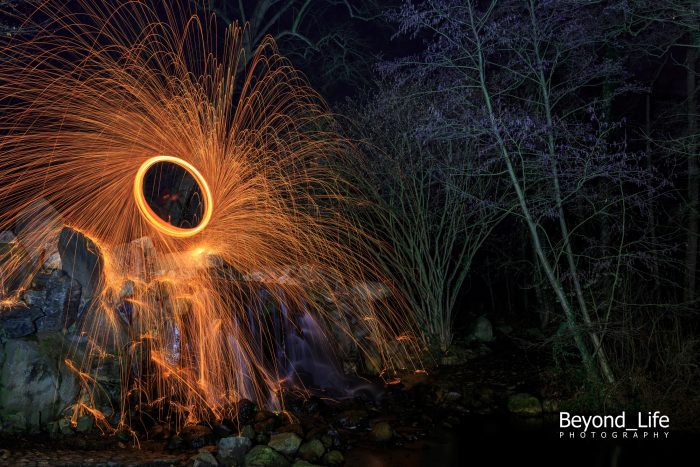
152, 217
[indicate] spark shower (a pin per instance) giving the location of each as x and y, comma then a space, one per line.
103, 94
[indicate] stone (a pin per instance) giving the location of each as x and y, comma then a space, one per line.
84, 423
264, 456
82, 260
382, 432
456, 355
481, 330
204, 459
138, 256
286, 443
312, 451
248, 432
196, 435
36, 386
352, 418
58, 296
18, 321
524, 404
232, 450
52, 262
65, 426
334, 458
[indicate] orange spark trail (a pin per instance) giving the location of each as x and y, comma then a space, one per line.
100, 96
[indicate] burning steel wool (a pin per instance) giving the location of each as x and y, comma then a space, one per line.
200, 175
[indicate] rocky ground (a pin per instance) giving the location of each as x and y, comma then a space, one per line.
398, 424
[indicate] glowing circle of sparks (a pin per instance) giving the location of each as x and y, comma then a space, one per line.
154, 219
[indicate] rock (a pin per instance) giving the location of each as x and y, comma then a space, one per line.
175, 442
84, 423
52, 262
524, 404
82, 260
264, 456
204, 459
196, 435
248, 432
286, 443
303, 463
36, 385
138, 256
352, 418
232, 450
311, 451
456, 356
334, 458
481, 331
382, 432
18, 321
58, 296
65, 426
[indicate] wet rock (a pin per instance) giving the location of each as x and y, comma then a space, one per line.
382, 432
18, 321
232, 450
286, 443
312, 451
82, 260
36, 385
524, 404
334, 458
481, 330
264, 456
204, 459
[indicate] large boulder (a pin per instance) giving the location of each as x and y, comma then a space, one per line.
35, 384
524, 404
82, 260
58, 298
481, 330
18, 320
232, 450
286, 443
264, 456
